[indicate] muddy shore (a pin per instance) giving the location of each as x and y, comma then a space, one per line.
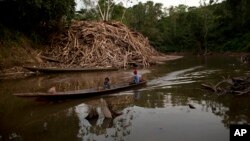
18, 72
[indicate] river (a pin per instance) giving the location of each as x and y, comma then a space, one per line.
158, 111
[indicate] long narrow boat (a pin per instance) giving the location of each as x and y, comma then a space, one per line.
81, 93
64, 70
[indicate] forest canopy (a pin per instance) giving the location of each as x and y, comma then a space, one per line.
35, 15
212, 26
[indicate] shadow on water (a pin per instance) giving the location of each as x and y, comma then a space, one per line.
161, 111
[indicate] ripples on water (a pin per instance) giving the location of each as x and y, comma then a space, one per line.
176, 77
159, 111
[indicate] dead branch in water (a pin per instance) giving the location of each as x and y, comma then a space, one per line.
236, 85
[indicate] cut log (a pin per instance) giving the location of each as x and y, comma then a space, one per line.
49, 59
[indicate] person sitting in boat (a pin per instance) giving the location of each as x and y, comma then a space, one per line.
52, 90
136, 78
135, 66
106, 84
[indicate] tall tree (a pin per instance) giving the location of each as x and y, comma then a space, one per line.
144, 18
240, 13
102, 7
108, 9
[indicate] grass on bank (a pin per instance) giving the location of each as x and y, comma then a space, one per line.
15, 49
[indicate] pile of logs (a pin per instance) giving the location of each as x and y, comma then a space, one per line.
236, 85
100, 44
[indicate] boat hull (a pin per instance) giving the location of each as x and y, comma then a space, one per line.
81, 93
65, 70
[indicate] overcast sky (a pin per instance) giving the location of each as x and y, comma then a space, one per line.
166, 3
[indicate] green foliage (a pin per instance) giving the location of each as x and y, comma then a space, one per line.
8, 35
42, 16
210, 27
144, 18
240, 43
85, 14
117, 12
14, 49
239, 10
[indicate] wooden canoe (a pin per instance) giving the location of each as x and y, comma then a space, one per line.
81, 93
64, 70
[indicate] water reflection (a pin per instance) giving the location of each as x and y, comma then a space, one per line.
136, 94
159, 112
176, 77
93, 129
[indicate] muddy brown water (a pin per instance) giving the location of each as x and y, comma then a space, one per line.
156, 112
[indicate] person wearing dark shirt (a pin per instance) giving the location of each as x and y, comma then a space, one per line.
106, 84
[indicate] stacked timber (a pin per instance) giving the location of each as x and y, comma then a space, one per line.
100, 44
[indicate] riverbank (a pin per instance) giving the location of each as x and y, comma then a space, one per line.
16, 71
15, 54
103, 47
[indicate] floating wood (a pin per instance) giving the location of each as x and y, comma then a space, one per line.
236, 85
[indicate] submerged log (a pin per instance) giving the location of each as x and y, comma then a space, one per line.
208, 87
237, 85
245, 59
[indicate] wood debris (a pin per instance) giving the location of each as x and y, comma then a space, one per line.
236, 85
100, 44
